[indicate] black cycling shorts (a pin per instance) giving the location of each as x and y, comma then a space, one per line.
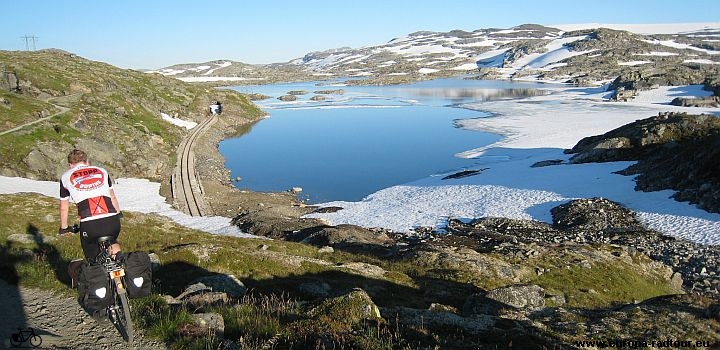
91, 230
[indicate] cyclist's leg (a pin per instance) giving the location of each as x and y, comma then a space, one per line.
113, 224
92, 229
88, 242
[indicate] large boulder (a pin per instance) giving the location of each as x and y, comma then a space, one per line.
514, 296
350, 308
347, 236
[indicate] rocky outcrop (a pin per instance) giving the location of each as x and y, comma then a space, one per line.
348, 236
674, 151
287, 98
9, 81
628, 83
594, 215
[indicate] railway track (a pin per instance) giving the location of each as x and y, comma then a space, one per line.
187, 190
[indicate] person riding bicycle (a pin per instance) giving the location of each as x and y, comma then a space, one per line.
91, 188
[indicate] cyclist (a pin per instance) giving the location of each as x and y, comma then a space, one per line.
91, 188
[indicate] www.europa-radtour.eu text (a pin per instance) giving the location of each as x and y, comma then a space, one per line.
635, 344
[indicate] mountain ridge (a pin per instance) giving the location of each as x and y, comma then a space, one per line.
583, 55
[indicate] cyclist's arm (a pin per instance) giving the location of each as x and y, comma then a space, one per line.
64, 208
114, 200
64, 205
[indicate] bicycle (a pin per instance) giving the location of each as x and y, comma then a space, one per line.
20, 337
118, 311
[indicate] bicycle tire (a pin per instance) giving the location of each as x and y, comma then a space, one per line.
124, 322
15, 343
35, 341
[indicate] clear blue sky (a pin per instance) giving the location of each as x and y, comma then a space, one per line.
158, 33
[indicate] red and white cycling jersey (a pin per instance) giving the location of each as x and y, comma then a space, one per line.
89, 187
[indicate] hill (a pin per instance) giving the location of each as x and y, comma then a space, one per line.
233, 72
52, 101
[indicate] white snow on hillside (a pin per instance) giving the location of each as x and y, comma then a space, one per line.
219, 65
200, 70
177, 121
556, 52
480, 49
210, 79
644, 28
674, 45
633, 63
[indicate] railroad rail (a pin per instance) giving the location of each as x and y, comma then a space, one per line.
186, 187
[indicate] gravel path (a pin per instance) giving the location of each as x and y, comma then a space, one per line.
60, 322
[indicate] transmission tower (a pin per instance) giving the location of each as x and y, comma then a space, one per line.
27, 42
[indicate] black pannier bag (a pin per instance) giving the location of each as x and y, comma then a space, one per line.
94, 287
138, 274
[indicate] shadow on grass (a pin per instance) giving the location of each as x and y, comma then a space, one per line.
16, 325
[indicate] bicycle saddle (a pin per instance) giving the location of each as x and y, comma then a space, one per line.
109, 239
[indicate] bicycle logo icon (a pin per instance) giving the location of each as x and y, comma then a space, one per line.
16, 339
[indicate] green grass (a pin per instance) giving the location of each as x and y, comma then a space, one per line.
602, 284
18, 109
14, 147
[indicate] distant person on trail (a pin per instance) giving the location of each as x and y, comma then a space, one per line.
90, 187
216, 108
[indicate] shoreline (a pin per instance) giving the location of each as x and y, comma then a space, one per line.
222, 196
536, 129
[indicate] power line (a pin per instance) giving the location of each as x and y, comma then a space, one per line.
27, 42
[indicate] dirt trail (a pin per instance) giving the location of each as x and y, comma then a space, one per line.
60, 322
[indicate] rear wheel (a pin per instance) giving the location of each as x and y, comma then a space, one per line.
122, 319
15, 341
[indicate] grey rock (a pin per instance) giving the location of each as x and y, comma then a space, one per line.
212, 323
205, 299
519, 296
224, 283
154, 262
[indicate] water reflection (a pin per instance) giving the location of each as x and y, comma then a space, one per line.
481, 94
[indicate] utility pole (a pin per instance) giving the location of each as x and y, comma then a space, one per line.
27, 41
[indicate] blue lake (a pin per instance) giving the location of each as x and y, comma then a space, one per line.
363, 140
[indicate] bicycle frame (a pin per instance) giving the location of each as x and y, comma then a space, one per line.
115, 270
25, 336
118, 312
